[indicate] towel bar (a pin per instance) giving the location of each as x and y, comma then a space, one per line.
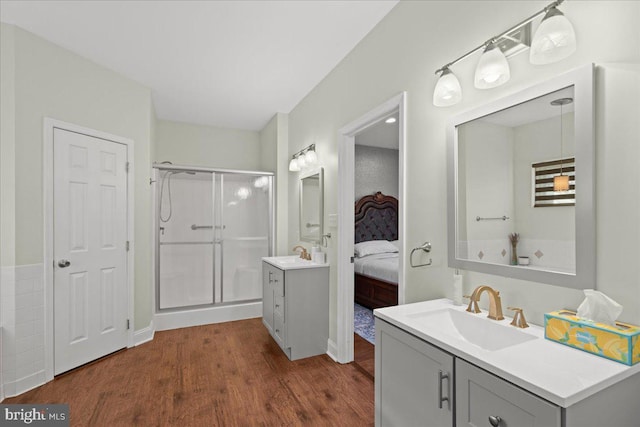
426, 246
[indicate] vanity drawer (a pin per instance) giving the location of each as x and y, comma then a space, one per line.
278, 305
279, 330
481, 396
277, 281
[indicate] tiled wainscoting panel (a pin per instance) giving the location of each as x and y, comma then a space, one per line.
557, 255
23, 328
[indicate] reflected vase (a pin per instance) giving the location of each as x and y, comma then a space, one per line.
514, 254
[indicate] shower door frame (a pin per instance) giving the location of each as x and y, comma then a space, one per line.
159, 168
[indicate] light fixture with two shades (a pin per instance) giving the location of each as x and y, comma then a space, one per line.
304, 158
553, 41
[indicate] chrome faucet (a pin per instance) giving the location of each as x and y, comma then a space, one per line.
495, 304
303, 253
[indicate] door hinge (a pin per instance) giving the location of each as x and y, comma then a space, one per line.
127, 246
126, 167
128, 324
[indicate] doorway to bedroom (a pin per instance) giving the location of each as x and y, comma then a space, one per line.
376, 244
370, 225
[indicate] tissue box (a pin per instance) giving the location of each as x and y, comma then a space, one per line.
620, 343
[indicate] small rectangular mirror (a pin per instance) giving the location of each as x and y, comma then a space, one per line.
312, 206
521, 184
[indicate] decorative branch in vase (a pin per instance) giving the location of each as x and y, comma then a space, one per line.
514, 238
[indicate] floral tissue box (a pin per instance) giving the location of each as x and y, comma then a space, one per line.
620, 343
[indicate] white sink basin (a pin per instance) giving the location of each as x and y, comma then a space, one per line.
475, 329
294, 259
291, 262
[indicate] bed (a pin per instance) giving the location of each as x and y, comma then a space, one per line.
376, 249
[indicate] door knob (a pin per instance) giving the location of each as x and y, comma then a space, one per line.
64, 263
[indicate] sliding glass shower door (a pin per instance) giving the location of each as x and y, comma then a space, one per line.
214, 228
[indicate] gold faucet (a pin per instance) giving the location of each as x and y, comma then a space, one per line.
303, 254
518, 318
495, 304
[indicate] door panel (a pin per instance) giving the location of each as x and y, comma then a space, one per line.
90, 232
244, 234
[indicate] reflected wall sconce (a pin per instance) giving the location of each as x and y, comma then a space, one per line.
553, 41
304, 158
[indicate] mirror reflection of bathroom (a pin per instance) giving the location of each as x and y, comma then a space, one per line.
376, 241
312, 206
510, 211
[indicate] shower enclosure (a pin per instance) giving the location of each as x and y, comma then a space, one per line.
213, 228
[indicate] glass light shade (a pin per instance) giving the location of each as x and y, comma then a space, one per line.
293, 166
447, 91
311, 158
554, 39
302, 161
492, 69
561, 183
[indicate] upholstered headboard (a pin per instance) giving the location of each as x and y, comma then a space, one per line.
376, 218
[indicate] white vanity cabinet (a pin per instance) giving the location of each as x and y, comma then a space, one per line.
419, 383
295, 306
412, 380
415, 386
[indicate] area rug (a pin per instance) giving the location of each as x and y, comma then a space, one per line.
363, 323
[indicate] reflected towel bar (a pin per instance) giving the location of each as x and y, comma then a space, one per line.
504, 218
426, 246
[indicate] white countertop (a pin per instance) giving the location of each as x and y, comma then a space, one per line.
292, 262
553, 371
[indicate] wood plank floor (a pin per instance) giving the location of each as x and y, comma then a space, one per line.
226, 374
364, 355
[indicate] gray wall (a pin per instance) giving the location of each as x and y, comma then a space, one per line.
376, 169
45, 80
207, 146
401, 54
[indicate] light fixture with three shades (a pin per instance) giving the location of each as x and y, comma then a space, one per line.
304, 158
553, 41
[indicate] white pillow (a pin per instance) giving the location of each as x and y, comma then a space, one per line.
373, 247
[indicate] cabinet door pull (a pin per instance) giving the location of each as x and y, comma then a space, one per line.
442, 376
494, 420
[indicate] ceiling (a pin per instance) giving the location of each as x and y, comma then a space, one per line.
218, 63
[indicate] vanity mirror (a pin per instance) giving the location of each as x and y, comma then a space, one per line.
312, 206
505, 216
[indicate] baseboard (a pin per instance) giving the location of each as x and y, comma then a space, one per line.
144, 335
332, 350
25, 384
205, 316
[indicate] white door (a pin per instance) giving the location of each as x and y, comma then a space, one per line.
90, 253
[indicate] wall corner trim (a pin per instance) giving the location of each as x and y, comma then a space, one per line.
144, 335
332, 350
